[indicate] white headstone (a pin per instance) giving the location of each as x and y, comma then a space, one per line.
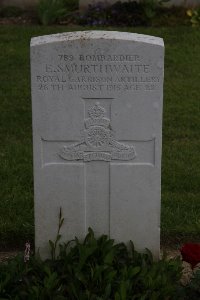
97, 128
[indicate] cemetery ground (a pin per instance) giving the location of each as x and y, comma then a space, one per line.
181, 161
180, 219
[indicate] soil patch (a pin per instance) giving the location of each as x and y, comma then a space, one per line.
4, 256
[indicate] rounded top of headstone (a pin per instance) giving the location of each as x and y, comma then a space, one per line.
96, 34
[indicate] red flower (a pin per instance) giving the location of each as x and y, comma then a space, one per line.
191, 253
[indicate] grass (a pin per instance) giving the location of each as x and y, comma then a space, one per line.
181, 132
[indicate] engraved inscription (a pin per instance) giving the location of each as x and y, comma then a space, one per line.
98, 142
98, 72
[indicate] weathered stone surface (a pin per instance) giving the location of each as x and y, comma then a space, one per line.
97, 123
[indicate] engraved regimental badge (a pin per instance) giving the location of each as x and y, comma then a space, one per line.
98, 142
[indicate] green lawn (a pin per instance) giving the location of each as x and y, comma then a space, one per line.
181, 132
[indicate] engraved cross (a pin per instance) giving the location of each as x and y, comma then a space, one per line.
98, 150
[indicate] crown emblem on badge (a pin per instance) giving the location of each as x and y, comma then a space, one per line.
96, 111
97, 117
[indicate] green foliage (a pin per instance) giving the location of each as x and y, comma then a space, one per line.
50, 11
72, 5
150, 7
53, 245
120, 13
94, 269
194, 15
126, 13
10, 11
